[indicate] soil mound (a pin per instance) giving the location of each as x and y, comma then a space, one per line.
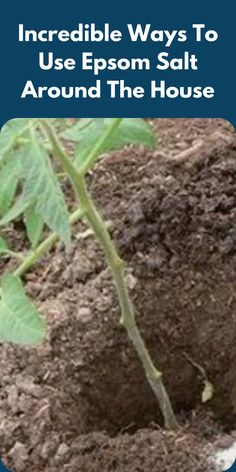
81, 402
174, 223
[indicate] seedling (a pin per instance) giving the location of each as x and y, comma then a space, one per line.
32, 155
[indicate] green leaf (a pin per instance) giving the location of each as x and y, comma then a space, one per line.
41, 186
5, 145
10, 132
9, 177
41, 189
20, 206
3, 246
73, 132
16, 126
20, 321
208, 391
129, 131
61, 124
34, 226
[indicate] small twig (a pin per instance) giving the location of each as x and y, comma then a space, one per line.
199, 148
89, 232
196, 365
185, 155
208, 387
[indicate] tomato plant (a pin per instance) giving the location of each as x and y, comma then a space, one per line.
32, 153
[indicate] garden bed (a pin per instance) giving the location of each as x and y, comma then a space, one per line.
80, 402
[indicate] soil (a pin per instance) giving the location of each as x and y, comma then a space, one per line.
80, 402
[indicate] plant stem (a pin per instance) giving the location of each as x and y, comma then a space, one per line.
44, 247
59, 152
15, 255
116, 265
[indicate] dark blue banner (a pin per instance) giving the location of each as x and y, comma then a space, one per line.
129, 59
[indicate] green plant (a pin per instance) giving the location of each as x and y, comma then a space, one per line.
32, 156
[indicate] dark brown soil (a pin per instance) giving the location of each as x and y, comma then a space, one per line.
147, 450
81, 402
